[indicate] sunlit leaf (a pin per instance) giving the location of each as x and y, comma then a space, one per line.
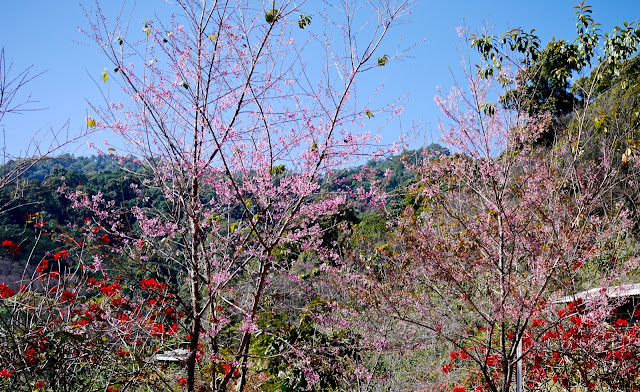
147, 27
304, 21
271, 16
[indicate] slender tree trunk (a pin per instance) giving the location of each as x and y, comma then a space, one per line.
196, 324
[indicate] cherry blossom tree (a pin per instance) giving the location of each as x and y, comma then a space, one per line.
239, 112
495, 234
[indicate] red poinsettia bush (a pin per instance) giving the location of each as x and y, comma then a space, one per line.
586, 348
70, 322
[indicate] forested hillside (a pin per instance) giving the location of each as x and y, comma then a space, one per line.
35, 201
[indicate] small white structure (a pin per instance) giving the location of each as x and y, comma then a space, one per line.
177, 355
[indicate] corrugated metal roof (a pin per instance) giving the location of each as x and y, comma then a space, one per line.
627, 290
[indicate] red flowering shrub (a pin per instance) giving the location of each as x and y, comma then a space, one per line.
585, 351
580, 351
62, 254
152, 284
8, 243
44, 264
12, 247
31, 356
78, 323
227, 368
5, 291
68, 296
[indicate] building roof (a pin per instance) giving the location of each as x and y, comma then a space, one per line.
627, 290
177, 355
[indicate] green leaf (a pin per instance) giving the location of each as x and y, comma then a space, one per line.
271, 16
147, 27
304, 21
489, 109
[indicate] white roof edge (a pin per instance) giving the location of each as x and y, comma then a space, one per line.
627, 290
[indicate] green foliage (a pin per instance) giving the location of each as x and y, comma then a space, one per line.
331, 353
66, 162
303, 22
489, 47
604, 78
545, 84
272, 16
611, 118
544, 79
37, 207
277, 170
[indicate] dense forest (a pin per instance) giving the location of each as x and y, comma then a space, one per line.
254, 238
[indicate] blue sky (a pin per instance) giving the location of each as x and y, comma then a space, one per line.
45, 34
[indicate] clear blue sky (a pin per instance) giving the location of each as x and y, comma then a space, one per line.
44, 33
